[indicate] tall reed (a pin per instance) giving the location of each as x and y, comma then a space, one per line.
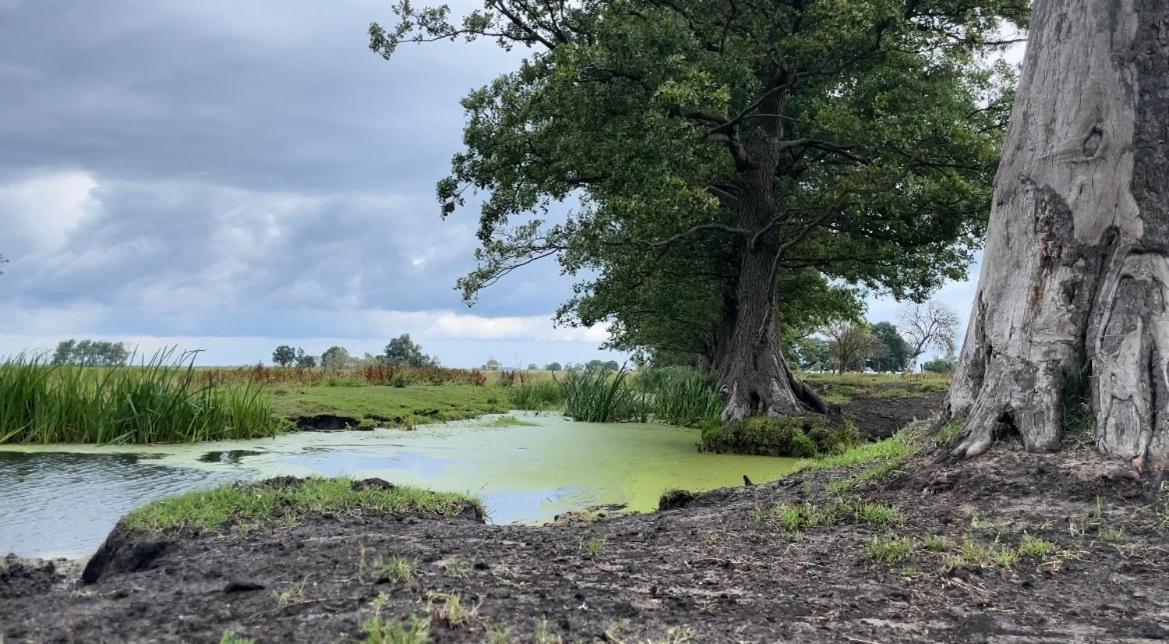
680, 395
600, 396
536, 395
157, 401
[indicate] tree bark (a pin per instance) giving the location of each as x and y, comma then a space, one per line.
752, 370
1075, 274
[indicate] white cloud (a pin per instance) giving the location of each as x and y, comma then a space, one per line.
39, 212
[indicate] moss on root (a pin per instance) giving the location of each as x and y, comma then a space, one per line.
805, 436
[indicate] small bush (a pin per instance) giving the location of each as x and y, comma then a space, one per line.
889, 550
805, 436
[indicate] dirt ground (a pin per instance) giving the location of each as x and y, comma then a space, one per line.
725, 567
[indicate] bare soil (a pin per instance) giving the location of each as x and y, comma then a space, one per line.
719, 567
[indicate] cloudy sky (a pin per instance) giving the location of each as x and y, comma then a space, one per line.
234, 175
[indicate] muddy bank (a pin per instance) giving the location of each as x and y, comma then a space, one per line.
737, 564
877, 417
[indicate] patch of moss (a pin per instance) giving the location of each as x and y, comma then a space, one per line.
804, 436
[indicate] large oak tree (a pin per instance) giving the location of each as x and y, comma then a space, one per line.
1072, 296
716, 150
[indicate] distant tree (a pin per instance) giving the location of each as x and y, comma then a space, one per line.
851, 345
553, 366
533, 367
404, 351
304, 360
491, 365
335, 358
811, 353
896, 355
90, 353
940, 365
284, 355
929, 325
64, 352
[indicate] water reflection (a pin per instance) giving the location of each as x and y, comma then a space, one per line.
65, 504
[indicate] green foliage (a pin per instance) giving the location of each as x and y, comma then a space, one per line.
852, 141
160, 401
553, 367
941, 364
284, 355
805, 436
536, 395
601, 396
402, 351
221, 508
897, 351
90, 353
230, 637
335, 358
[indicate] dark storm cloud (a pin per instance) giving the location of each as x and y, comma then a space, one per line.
175, 157
272, 94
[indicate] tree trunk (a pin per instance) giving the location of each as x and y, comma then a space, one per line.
754, 374
1075, 275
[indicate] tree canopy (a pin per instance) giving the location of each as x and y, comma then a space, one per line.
726, 165
405, 352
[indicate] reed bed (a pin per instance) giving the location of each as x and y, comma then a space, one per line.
370, 374
600, 396
160, 400
540, 396
680, 395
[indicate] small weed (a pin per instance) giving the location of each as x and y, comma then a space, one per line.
543, 635
450, 609
229, 637
1113, 535
378, 631
393, 568
295, 592
455, 568
592, 547
879, 515
889, 550
936, 543
499, 635
1035, 548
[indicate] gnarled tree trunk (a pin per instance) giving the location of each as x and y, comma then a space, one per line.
753, 371
1075, 276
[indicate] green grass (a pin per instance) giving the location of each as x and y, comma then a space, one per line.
936, 543
889, 550
794, 519
230, 637
392, 406
228, 506
157, 401
540, 395
1035, 548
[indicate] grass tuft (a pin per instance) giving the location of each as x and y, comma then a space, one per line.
889, 550
248, 505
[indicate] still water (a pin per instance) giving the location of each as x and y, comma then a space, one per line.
62, 500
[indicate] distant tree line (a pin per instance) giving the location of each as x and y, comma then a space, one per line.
884, 347
90, 353
401, 351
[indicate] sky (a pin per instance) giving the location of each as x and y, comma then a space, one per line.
230, 176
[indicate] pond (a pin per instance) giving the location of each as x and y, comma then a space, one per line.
62, 500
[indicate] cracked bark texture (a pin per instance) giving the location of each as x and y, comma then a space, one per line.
1076, 267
